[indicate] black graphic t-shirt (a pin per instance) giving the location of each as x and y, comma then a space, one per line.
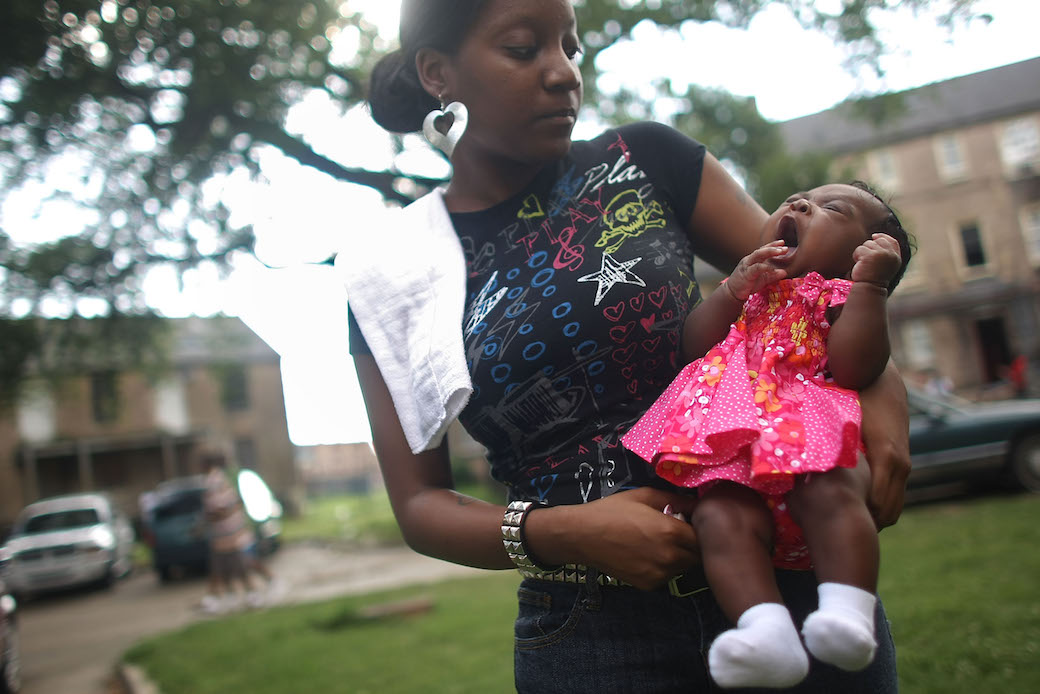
576, 293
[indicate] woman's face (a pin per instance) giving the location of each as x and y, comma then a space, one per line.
517, 74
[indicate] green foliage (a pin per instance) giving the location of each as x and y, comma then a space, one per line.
146, 108
52, 350
734, 131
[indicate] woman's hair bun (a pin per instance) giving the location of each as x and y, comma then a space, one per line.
395, 96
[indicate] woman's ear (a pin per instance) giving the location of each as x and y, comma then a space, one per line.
432, 67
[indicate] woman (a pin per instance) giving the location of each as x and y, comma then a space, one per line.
577, 260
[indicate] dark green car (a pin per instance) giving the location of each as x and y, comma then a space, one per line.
174, 526
958, 441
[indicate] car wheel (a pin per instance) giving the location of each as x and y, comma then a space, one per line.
1025, 463
11, 664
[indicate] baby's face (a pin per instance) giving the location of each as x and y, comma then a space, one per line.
822, 228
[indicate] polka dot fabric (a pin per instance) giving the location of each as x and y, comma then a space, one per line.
758, 408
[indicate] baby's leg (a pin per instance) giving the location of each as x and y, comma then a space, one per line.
735, 530
843, 542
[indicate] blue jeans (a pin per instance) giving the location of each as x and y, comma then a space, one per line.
579, 638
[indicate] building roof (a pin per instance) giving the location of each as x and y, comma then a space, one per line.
978, 97
219, 338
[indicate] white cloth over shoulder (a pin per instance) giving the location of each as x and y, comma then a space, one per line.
406, 284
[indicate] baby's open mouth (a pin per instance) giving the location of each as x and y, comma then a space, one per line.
788, 229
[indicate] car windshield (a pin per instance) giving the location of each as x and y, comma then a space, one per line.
61, 520
183, 504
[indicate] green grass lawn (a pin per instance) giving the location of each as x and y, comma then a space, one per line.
359, 519
959, 580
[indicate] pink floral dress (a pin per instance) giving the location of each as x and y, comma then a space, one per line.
758, 408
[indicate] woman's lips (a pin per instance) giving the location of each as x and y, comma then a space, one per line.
565, 115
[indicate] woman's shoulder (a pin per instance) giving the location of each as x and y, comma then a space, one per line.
641, 134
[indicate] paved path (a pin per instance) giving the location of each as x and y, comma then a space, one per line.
71, 643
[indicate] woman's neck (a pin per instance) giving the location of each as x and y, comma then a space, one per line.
479, 185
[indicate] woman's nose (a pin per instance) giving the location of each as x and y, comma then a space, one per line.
562, 72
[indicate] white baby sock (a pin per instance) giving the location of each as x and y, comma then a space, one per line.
841, 631
763, 651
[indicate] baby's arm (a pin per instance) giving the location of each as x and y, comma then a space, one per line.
858, 347
709, 321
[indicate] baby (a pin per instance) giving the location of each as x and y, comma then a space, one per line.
766, 423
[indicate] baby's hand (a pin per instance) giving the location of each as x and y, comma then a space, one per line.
876, 261
756, 270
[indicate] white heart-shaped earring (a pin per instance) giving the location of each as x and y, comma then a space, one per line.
446, 142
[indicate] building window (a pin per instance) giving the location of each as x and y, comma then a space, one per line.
917, 344
949, 159
1020, 143
104, 395
883, 170
971, 240
234, 388
1031, 231
245, 453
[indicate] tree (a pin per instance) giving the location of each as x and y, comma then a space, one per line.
145, 106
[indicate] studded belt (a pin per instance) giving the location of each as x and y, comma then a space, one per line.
680, 586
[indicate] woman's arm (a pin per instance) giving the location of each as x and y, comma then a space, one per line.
434, 519
624, 535
886, 435
726, 223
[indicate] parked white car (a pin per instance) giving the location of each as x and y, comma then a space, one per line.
67, 541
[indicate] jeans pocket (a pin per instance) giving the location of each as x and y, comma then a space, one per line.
546, 615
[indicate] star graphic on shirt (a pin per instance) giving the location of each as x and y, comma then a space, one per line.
612, 272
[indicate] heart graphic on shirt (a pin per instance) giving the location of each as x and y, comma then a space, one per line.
627, 371
633, 386
620, 333
651, 344
585, 478
636, 302
667, 315
532, 208
657, 297
622, 354
651, 364
549, 481
648, 322
614, 312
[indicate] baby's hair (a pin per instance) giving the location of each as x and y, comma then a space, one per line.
890, 225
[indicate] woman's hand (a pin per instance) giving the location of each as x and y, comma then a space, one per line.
886, 435
625, 535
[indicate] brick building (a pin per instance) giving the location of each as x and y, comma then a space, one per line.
123, 431
961, 166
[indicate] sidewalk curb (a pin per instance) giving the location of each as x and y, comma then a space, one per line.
135, 680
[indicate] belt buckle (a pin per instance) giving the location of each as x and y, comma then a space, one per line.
684, 585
